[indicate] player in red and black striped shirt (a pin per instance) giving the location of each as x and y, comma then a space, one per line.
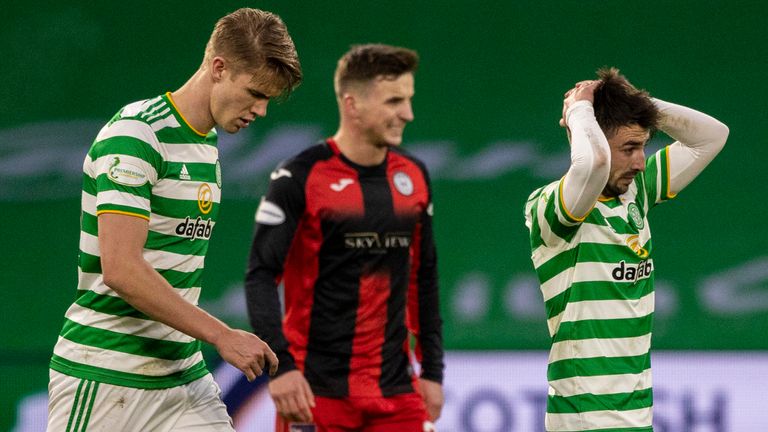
347, 226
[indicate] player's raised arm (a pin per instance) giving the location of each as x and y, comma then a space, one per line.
699, 139
590, 152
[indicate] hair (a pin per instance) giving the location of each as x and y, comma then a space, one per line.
618, 103
256, 41
364, 63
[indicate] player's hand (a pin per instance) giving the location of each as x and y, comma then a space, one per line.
246, 352
584, 90
293, 397
432, 393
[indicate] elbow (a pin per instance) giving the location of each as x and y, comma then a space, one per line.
112, 279
721, 135
716, 136
114, 275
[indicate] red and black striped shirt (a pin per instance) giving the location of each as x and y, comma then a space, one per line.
353, 246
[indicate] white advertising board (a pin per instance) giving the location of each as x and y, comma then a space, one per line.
506, 392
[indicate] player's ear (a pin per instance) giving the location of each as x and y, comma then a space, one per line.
218, 66
349, 104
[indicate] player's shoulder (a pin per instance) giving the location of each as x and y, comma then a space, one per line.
544, 191
543, 194
130, 129
299, 165
144, 111
136, 120
402, 155
311, 155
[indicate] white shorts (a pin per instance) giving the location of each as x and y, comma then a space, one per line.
79, 405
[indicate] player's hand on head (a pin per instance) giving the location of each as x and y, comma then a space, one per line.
247, 352
583, 90
292, 395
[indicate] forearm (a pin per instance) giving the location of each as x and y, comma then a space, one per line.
427, 293
264, 309
699, 138
131, 277
143, 288
432, 364
693, 129
590, 160
121, 241
430, 331
430, 337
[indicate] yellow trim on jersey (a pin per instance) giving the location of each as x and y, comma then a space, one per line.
182, 115
670, 195
562, 205
602, 198
120, 212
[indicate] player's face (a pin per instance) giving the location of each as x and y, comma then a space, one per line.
384, 108
238, 99
627, 158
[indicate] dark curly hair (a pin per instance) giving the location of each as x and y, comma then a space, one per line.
618, 103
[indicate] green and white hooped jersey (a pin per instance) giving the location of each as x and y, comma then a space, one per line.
146, 162
596, 276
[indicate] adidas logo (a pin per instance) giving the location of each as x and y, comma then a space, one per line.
184, 174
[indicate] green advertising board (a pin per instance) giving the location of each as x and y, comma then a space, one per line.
488, 99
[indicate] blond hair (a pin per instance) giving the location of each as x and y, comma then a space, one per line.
254, 40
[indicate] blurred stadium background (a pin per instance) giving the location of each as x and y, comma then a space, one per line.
489, 94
